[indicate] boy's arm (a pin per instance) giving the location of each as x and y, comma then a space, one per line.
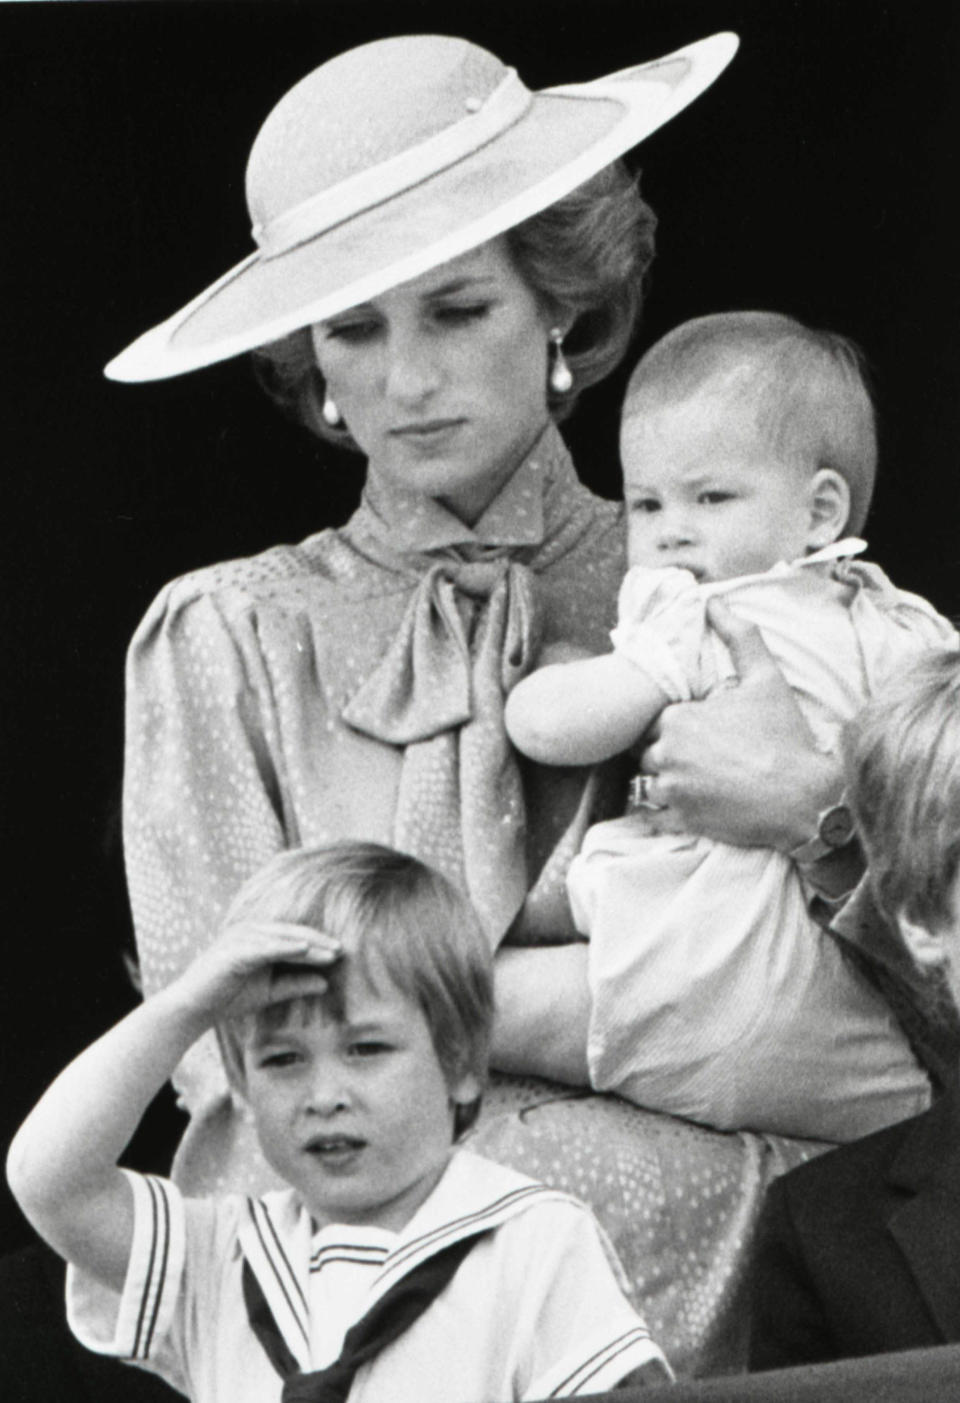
62, 1165
579, 713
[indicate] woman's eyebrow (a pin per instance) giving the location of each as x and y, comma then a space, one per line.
458, 285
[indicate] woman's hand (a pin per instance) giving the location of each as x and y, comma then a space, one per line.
252, 964
740, 766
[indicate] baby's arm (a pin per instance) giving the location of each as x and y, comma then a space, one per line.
579, 713
62, 1165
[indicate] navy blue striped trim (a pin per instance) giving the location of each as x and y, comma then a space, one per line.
145, 1295
162, 1274
347, 1252
597, 1361
274, 1240
159, 1240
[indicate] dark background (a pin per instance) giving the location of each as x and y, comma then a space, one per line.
818, 178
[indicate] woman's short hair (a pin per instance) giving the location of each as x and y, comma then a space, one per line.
397, 918
903, 767
585, 256
808, 389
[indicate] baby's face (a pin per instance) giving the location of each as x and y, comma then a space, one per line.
353, 1111
704, 491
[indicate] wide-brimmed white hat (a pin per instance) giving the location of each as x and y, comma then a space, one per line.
393, 158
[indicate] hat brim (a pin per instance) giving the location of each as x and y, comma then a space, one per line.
566, 136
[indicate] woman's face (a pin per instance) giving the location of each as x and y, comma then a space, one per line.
443, 381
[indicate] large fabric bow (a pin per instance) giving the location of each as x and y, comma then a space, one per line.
468, 635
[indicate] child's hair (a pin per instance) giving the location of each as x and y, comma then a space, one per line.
394, 916
903, 764
809, 389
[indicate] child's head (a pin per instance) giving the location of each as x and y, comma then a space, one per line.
357, 1094
903, 769
746, 439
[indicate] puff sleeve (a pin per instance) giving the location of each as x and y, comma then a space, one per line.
661, 623
892, 624
201, 805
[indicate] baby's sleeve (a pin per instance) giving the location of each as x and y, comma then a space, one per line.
582, 1335
892, 625
139, 1324
661, 624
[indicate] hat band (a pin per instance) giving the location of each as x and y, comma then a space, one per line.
507, 103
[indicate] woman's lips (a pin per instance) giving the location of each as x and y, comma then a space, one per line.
425, 430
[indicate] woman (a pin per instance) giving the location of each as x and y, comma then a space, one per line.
445, 260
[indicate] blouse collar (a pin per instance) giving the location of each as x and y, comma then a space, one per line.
515, 517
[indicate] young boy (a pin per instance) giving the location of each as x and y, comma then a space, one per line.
706, 990
859, 1252
351, 988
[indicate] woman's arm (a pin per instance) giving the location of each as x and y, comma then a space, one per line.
202, 807
63, 1162
579, 713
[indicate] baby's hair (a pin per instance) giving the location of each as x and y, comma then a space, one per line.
809, 389
903, 764
396, 918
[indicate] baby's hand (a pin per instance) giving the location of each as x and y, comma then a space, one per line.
255, 963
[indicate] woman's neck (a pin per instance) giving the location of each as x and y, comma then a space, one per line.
469, 502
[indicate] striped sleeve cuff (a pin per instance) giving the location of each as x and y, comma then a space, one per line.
603, 1362
131, 1324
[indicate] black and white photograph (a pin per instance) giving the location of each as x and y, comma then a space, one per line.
481, 585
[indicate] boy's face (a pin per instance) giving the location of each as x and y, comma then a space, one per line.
704, 491
354, 1113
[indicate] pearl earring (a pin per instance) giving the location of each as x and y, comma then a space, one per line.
561, 376
331, 414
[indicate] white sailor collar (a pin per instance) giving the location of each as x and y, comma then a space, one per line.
276, 1236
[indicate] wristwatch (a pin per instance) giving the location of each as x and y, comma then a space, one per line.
835, 829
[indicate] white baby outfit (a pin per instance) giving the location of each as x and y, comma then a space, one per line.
715, 996
536, 1309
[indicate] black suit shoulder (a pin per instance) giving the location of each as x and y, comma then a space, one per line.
842, 1178
829, 1279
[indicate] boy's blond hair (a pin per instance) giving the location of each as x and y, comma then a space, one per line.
903, 763
396, 918
808, 389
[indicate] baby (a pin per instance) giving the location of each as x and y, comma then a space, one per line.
351, 989
707, 990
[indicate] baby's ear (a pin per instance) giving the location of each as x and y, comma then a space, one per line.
829, 507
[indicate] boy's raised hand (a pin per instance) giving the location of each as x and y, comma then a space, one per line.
63, 1162
255, 963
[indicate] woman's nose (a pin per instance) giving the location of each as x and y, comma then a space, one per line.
412, 371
